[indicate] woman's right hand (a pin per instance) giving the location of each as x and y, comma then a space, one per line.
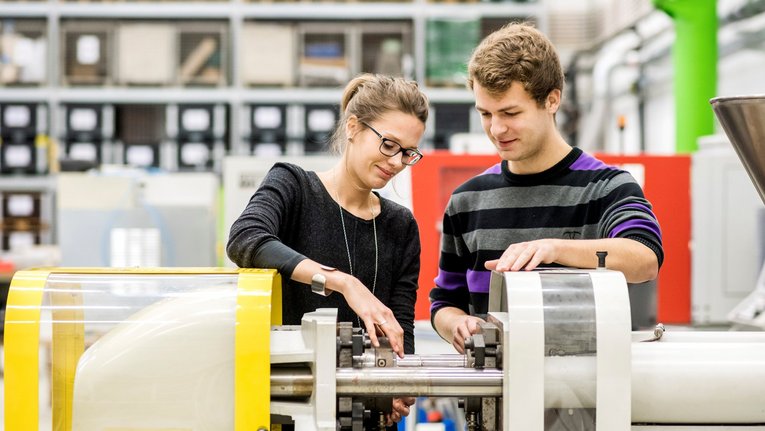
375, 315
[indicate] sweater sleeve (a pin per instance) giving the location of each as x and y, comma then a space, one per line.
628, 214
404, 294
451, 289
255, 238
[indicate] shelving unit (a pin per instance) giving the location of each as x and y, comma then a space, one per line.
229, 23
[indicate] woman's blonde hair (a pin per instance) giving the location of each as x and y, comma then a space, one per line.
370, 96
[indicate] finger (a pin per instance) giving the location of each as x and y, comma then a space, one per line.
458, 342
534, 261
403, 411
491, 265
400, 407
507, 259
522, 259
379, 330
458, 346
468, 329
408, 401
459, 338
472, 326
395, 417
370, 325
395, 335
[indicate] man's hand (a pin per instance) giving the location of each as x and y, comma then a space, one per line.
526, 255
464, 327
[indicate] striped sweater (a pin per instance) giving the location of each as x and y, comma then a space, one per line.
578, 198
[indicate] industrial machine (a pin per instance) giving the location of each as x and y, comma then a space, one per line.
203, 349
195, 349
742, 118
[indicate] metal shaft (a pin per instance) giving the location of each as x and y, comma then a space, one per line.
393, 381
446, 360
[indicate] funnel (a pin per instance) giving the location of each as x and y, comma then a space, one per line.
743, 119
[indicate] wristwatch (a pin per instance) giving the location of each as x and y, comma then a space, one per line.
319, 282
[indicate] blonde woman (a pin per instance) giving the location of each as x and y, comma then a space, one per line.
336, 243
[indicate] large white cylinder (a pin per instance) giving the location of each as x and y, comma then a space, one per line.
698, 382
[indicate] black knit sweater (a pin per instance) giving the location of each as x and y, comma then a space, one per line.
292, 216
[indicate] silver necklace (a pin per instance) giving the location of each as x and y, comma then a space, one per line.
348, 248
345, 235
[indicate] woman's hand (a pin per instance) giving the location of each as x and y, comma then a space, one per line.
400, 409
373, 313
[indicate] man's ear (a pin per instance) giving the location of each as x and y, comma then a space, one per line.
552, 104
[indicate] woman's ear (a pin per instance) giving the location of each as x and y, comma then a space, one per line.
352, 126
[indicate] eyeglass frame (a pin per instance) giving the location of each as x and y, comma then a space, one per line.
401, 149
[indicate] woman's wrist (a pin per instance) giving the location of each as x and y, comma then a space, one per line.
337, 281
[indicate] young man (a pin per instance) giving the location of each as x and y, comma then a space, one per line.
545, 203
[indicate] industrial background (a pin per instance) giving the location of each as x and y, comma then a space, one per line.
132, 133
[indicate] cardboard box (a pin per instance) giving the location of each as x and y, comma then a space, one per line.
267, 54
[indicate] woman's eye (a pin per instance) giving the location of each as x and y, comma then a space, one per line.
389, 146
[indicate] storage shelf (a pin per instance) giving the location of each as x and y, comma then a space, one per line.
27, 183
191, 95
227, 10
361, 26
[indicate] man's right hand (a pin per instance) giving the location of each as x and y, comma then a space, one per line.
464, 327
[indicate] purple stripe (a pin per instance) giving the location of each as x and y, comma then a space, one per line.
635, 224
496, 169
640, 207
449, 280
478, 281
438, 304
586, 162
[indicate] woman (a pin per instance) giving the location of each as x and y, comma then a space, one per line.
331, 231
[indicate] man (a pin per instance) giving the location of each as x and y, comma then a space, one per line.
545, 203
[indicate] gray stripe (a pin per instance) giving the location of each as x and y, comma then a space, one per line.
533, 196
449, 245
500, 239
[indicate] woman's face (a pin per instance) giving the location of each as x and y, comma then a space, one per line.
371, 166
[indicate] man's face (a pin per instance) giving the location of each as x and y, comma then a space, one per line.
516, 125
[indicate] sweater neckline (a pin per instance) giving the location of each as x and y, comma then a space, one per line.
327, 195
544, 176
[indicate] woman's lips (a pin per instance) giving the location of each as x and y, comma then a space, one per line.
385, 172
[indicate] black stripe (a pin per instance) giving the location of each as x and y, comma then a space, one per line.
586, 213
453, 263
650, 243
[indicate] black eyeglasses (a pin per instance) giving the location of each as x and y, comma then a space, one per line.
389, 147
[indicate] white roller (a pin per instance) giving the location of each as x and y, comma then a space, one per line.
702, 382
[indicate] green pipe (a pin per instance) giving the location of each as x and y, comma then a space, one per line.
695, 64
